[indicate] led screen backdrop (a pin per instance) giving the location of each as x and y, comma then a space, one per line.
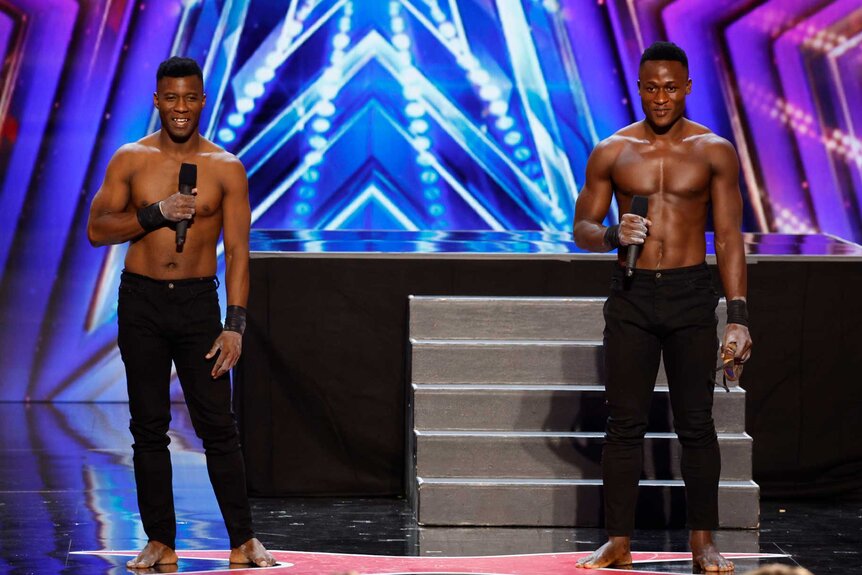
378, 114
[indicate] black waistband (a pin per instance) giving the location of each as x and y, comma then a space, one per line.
190, 282
670, 273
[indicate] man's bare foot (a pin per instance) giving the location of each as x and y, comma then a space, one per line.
616, 552
252, 552
156, 569
705, 555
154, 553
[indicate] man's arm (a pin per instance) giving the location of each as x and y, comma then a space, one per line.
593, 204
113, 217
729, 250
112, 221
236, 219
236, 215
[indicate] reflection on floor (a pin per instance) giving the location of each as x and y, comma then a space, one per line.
66, 486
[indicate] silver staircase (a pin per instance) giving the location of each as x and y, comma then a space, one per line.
506, 418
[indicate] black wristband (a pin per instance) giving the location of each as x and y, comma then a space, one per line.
235, 319
612, 236
151, 217
737, 312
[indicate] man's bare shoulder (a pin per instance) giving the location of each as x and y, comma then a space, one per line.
224, 166
718, 145
144, 146
149, 144
703, 136
712, 148
606, 152
612, 145
219, 157
633, 133
716, 150
132, 155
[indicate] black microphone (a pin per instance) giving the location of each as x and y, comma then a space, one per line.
638, 208
188, 180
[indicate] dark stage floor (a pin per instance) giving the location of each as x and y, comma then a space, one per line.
66, 487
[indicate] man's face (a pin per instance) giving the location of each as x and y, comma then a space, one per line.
663, 86
180, 101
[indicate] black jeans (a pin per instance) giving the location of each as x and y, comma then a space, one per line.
655, 313
165, 321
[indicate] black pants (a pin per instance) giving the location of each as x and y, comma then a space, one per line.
161, 322
655, 313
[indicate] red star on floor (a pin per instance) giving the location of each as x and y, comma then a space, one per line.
302, 563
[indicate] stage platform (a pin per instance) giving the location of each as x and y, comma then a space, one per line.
321, 389
504, 245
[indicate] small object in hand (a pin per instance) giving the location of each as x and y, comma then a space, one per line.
731, 366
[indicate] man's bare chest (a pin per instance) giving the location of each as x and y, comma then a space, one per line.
644, 172
151, 184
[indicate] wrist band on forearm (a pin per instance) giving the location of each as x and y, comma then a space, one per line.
612, 236
151, 217
235, 319
737, 312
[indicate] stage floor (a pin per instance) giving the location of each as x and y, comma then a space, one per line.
66, 487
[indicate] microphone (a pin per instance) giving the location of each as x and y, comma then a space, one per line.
638, 208
188, 180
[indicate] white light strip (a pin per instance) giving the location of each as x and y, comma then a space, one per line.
371, 193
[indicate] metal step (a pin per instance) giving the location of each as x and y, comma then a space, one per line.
569, 502
548, 407
506, 318
558, 455
512, 318
513, 361
454, 361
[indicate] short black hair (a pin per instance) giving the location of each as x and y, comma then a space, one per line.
665, 51
179, 67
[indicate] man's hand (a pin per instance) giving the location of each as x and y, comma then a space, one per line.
230, 344
738, 336
633, 229
179, 206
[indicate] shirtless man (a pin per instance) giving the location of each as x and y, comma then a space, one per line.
168, 306
668, 306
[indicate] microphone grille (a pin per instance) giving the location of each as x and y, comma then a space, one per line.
188, 175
